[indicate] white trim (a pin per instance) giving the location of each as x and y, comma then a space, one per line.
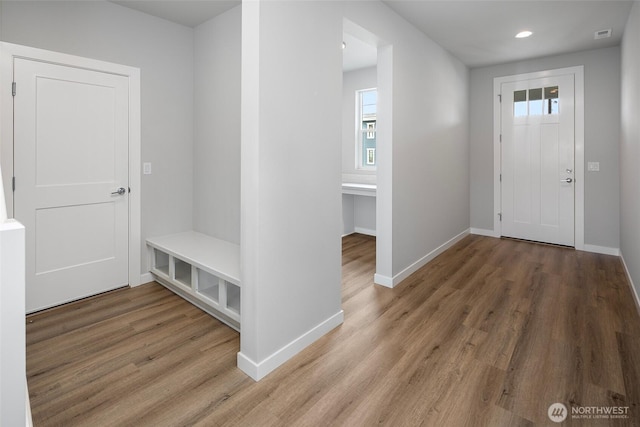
9, 51
258, 370
393, 282
27, 404
601, 250
384, 173
146, 278
381, 280
135, 158
579, 156
367, 231
12, 324
578, 73
483, 232
633, 288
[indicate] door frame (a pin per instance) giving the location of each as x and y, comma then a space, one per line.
10, 51
578, 73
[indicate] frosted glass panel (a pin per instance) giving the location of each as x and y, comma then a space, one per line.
551, 100
520, 103
535, 102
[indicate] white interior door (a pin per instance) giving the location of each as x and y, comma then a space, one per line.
70, 159
538, 142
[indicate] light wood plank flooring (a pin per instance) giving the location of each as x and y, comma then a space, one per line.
490, 333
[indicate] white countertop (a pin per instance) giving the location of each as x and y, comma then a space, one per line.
359, 189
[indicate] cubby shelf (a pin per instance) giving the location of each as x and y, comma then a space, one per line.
202, 269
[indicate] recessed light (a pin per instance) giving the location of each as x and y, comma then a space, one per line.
523, 34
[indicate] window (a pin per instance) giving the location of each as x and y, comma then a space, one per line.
366, 108
536, 102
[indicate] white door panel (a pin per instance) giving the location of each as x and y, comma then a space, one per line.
71, 154
537, 156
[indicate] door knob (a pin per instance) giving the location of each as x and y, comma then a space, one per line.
120, 191
568, 180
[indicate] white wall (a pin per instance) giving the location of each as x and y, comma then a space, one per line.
216, 151
364, 215
164, 53
630, 147
12, 324
348, 225
291, 167
358, 214
423, 180
602, 133
353, 81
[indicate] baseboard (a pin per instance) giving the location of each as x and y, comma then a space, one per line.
27, 404
633, 288
381, 280
146, 278
258, 370
367, 231
483, 232
395, 280
601, 250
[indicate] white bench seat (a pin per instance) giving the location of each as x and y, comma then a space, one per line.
202, 269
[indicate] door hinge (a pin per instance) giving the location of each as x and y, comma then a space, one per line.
500, 137
13, 184
13, 88
500, 177
500, 216
500, 97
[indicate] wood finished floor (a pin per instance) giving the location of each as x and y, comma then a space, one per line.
490, 333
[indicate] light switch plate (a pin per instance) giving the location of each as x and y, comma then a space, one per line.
146, 168
593, 166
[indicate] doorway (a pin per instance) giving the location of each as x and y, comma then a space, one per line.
359, 128
538, 158
383, 174
74, 124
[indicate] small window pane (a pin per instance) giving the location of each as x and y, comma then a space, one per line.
535, 102
520, 103
535, 94
551, 92
366, 139
371, 156
369, 101
371, 130
551, 101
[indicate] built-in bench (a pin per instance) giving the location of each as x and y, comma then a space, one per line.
202, 269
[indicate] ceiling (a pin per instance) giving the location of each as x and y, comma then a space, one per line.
357, 54
483, 32
190, 13
478, 32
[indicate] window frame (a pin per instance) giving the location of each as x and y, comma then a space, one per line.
361, 135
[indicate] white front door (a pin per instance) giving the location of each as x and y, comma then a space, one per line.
70, 160
538, 141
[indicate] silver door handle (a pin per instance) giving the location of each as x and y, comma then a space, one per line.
120, 191
568, 180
